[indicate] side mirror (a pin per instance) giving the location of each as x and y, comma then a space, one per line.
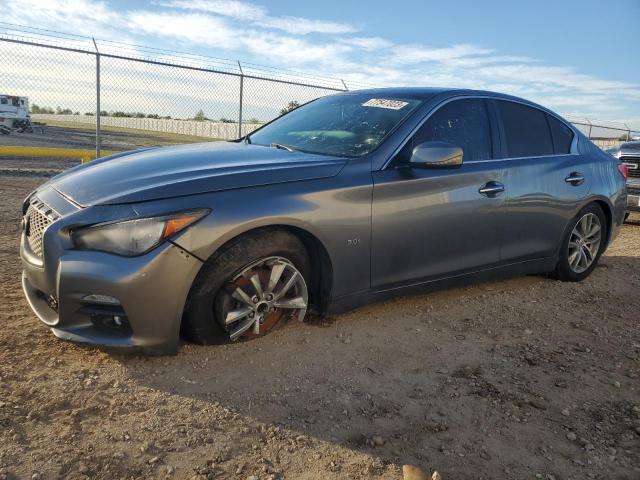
436, 155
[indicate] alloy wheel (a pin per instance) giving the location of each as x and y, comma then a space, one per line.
255, 300
584, 242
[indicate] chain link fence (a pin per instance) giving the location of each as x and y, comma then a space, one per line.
86, 93
110, 96
605, 134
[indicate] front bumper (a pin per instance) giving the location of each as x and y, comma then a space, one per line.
150, 290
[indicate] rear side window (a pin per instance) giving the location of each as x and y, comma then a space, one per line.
464, 123
562, 135
526, 130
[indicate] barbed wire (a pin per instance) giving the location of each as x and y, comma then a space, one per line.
46, 37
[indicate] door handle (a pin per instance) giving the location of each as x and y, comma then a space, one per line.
491, 189
575, 178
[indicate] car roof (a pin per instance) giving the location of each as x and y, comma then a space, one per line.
424, 93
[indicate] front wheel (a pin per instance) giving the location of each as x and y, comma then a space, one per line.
256, 299
248, 289
583, 245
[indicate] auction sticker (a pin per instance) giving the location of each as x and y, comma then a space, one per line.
385, 103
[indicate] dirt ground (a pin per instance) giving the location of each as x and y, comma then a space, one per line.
524, 379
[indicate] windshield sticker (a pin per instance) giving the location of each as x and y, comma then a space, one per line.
385, 103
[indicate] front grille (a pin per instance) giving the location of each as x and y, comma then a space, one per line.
38, 217
633, 165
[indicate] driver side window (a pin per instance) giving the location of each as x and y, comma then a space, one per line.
463, 123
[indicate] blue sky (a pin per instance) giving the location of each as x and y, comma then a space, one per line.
578, 57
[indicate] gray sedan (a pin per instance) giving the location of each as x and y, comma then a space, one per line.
349, 199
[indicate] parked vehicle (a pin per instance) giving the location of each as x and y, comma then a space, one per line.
629, 154
346, 200
14, 114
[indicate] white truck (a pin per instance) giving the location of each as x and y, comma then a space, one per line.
14, 114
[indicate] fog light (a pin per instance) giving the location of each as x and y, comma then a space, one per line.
111, 322
97, 298
111, 318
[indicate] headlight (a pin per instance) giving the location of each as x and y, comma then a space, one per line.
136, 236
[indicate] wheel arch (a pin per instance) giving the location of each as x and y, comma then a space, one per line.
321, 281
607, 209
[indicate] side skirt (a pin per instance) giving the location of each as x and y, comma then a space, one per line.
354, 300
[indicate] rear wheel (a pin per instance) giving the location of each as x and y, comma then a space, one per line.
248, 289
583, 245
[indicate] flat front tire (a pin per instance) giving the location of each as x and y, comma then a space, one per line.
248, 288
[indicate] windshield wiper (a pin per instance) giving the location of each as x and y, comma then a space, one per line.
282, 146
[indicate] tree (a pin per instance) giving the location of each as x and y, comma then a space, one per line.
292, 106
37, 109
200, 116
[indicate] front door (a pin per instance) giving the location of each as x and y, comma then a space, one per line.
434, 223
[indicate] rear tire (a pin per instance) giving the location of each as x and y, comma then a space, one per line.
583, 245
201, 321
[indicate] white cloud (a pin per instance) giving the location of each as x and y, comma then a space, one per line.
257, 15
84, 17
368, 43
230, 8
411, 54
192, 28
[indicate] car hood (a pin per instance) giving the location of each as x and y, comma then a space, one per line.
155, 173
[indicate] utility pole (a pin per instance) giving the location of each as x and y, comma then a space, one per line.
97, 98
241, 93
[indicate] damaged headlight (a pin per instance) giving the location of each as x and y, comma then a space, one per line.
135, 236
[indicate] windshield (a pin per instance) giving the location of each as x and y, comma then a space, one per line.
341, 125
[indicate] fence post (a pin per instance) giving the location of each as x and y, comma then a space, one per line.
345, 85
590, 127
97, 98
628, 131
241, 93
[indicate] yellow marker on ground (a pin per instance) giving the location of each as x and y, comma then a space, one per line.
20, 151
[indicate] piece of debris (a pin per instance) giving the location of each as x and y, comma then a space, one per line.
411, 472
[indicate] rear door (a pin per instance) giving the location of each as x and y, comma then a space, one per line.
431, 223
544, 179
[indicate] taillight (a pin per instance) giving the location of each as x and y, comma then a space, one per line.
624, 171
